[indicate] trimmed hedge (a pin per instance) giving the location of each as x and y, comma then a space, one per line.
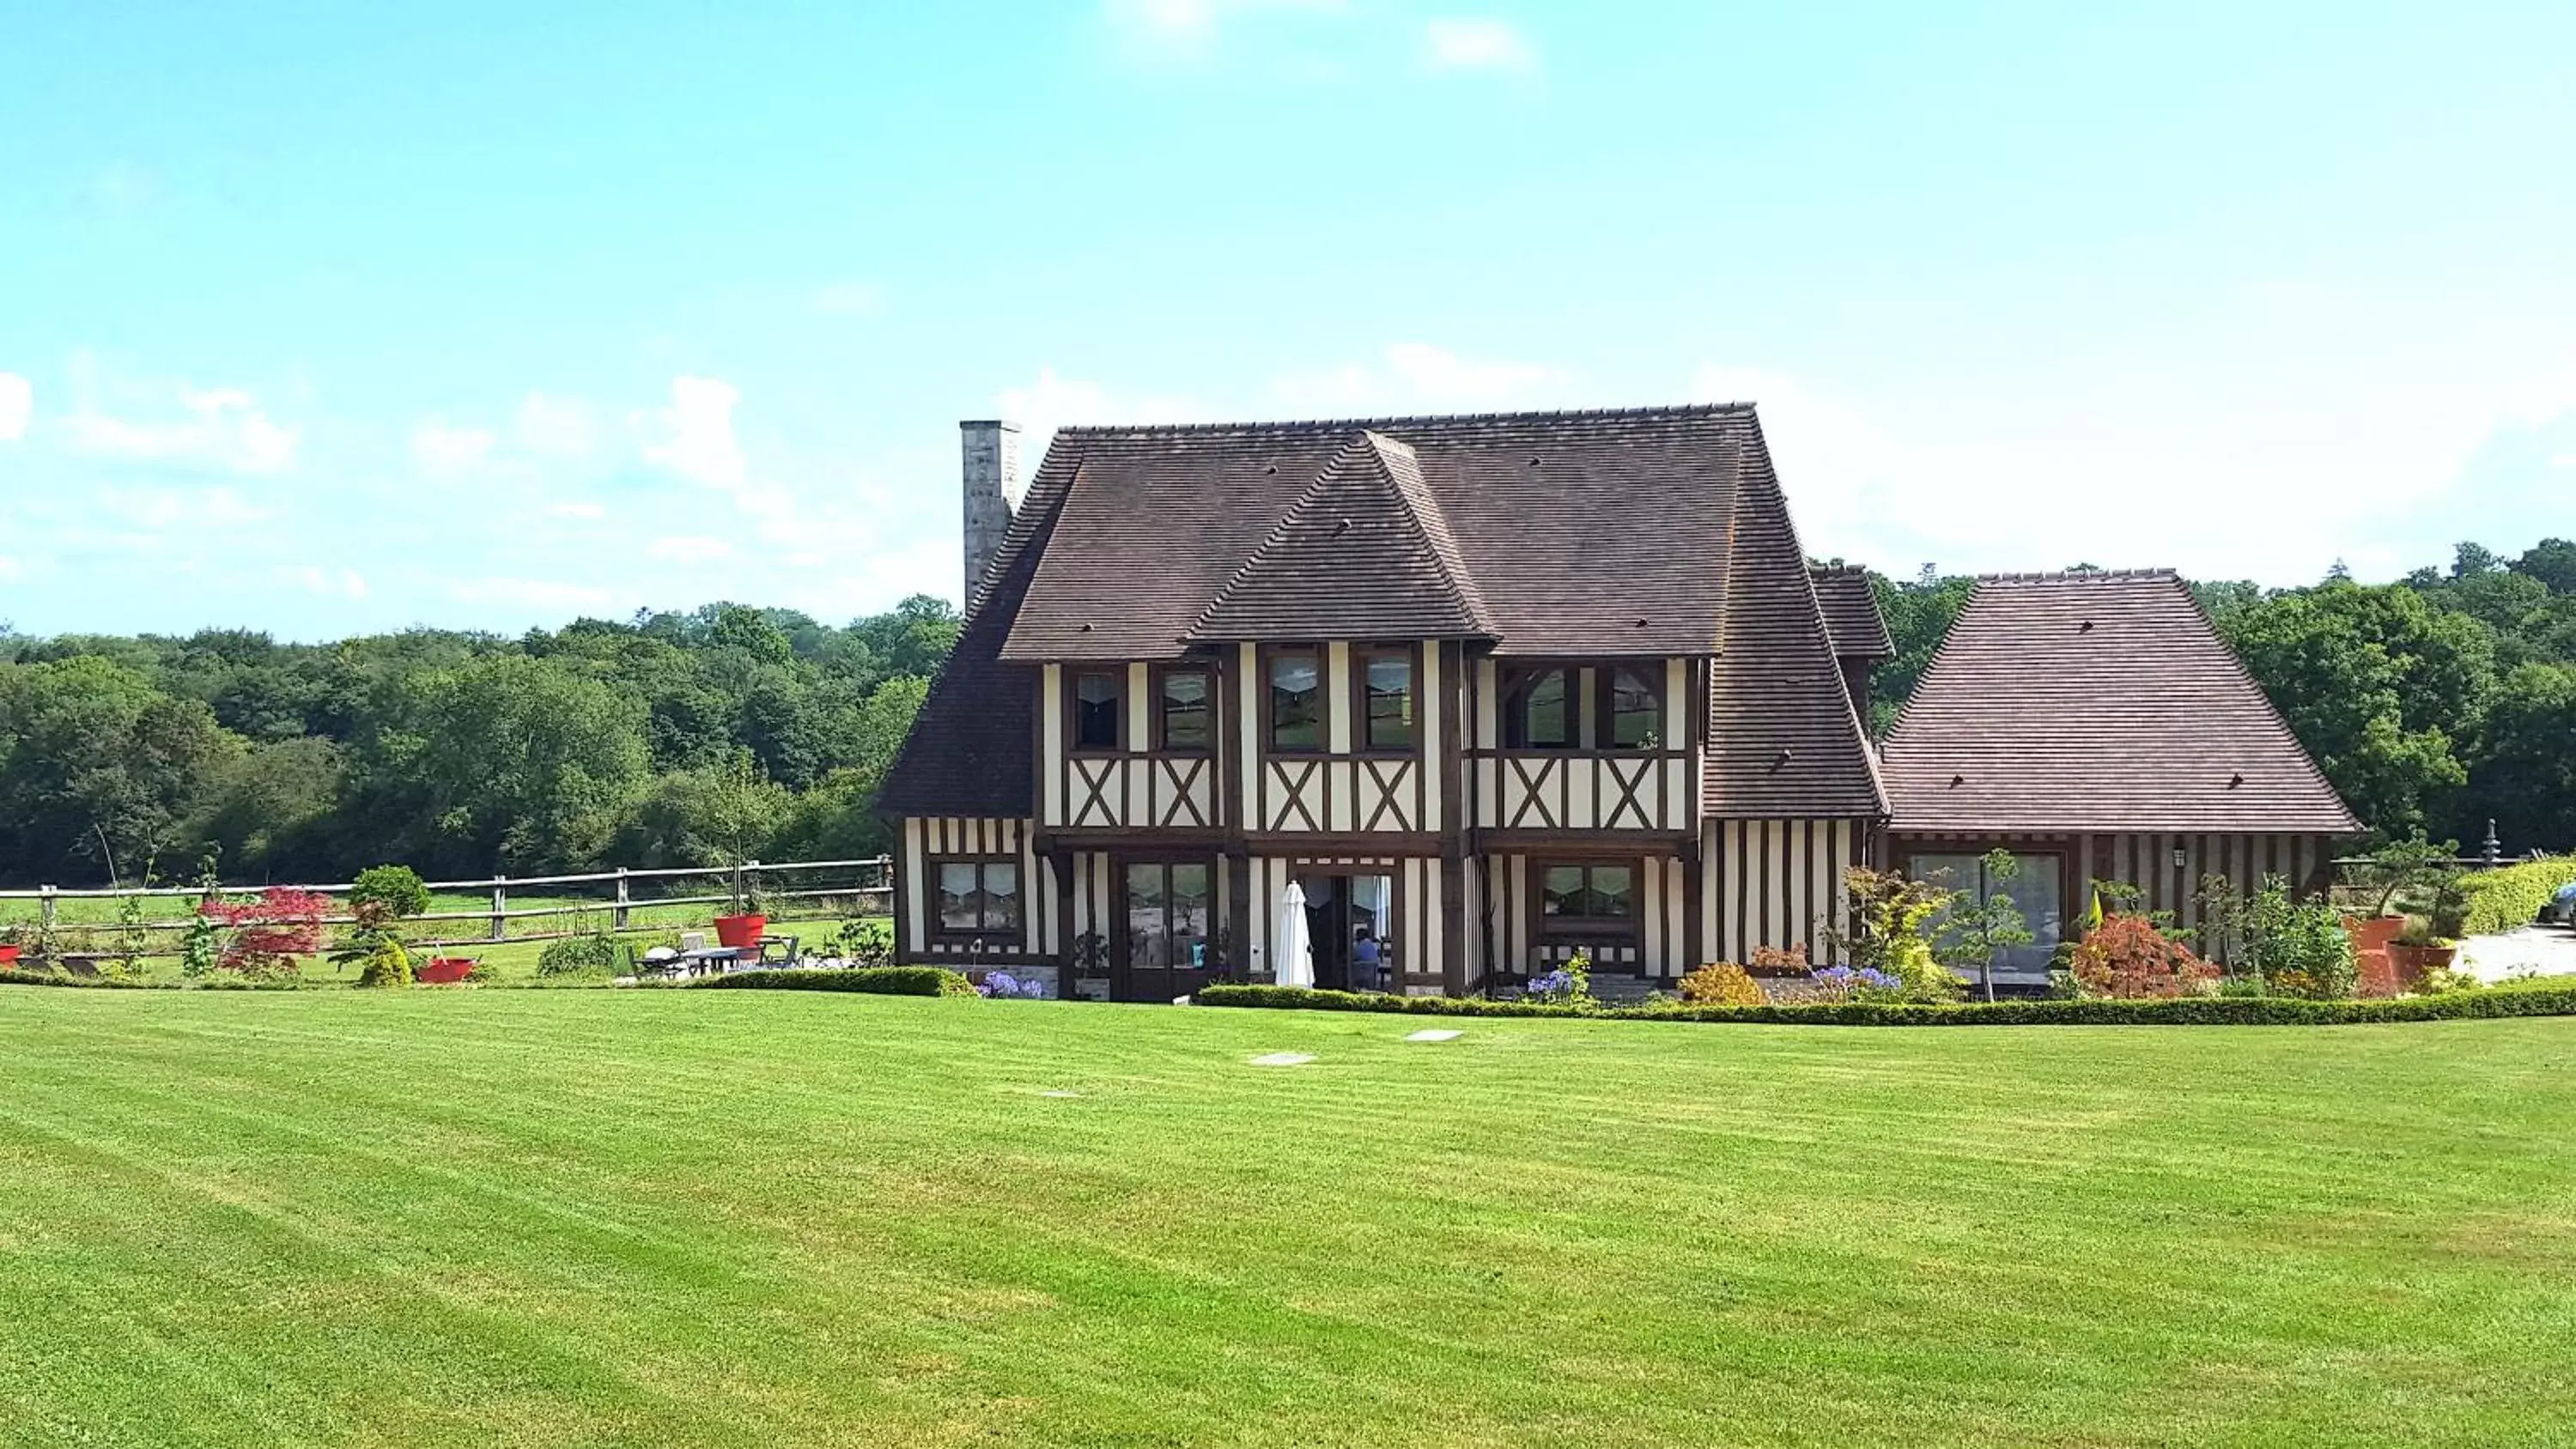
875, 980
2501, 899
2179, 1011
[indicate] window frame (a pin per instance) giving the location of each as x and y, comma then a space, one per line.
1608, 930
1320, 657
1361, 655
1074, 674
1515, 685
934, 865
1208, 681
1605, 719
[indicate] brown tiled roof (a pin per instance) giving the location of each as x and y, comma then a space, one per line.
1851, 612
1782, 738
2097, 701
1648, 532
1594, 533
971, 751
1365, 553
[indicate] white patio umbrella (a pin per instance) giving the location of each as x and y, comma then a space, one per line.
1293, 961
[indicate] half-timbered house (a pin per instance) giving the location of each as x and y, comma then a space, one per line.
1488, 691
1485, 692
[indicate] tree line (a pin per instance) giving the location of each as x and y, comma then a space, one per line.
592, 746
2434, 704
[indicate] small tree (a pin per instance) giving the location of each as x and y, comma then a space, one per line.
738, 805
269, 930
1984, 924
1891, 917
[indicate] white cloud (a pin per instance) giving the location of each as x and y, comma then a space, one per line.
1055, 401
17, 404
577, 508
698, 438
2563, 460
10, 571
555, 426
1477, 43
329, 582
2259, 483
443, 451
1414, 377
225, 429
161, 509
846, 299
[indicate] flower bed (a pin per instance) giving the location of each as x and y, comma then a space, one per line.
2171, 1011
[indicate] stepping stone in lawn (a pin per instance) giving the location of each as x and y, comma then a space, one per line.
1435, 1035
1282, 1059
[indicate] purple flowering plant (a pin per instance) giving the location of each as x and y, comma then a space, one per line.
1002, 984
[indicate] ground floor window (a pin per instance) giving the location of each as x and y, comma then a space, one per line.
1594, 902
2032, 885
1167, 915
978, 895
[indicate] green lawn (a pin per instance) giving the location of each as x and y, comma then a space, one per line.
751, 1218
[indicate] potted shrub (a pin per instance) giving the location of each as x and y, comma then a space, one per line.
2398, 867
2419, 951
737, 806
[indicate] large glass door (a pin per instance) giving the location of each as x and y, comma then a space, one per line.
2034, 888
1167, 910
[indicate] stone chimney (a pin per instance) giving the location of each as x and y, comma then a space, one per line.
992, 456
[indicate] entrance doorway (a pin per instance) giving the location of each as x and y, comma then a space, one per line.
1164, 951
1349, 919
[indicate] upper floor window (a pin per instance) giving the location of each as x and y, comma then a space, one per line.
1185, 724
1296, 700
1539, 710
978, 895
1097, 717
1386, 682
1632, 707
1588, 900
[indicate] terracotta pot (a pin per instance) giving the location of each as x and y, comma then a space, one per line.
740, 932
2373, 933
2414, 963
444, 970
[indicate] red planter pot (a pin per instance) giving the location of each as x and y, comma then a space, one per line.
444, 970
8, 955
2412, 964
740, 932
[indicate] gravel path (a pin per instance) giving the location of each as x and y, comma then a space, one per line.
2526, 951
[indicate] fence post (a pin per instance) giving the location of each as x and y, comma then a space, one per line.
619, 915
46, 907
500, 908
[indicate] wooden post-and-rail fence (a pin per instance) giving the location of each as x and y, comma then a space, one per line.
871, 885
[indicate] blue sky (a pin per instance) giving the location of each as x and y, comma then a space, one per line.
323, 318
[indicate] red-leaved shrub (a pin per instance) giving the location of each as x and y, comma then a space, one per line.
270, 929
2127, 957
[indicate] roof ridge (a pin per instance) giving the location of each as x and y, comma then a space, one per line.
1312, 425
2051, 576
1367, 443
1404, 471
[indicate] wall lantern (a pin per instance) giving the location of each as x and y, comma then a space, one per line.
2180, 861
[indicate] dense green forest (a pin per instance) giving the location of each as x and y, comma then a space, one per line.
599, 744
2435, 703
